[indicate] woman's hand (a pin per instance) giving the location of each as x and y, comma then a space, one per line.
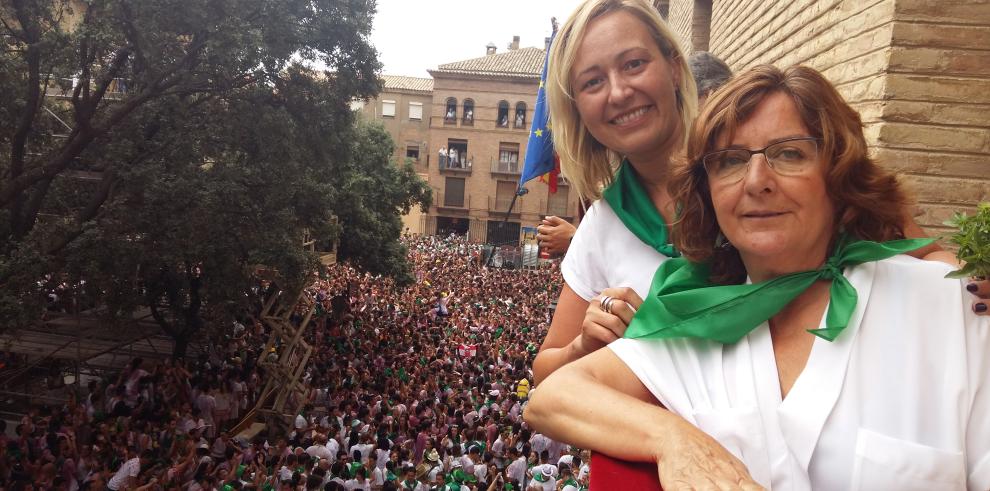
690, 459
554, 235
601, 328
981, 288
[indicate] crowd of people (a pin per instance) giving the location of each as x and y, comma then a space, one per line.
417, 387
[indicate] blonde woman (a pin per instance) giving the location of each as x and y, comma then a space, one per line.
622, 98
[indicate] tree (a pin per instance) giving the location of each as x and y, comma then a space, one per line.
368, 200
152, 153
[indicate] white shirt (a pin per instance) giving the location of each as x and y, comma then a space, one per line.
321, 452
352, 484
900, 400
377, 477
130, 468
605, 254
517, 470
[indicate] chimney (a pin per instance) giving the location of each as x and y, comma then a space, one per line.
515, 43
490, 49
546, 44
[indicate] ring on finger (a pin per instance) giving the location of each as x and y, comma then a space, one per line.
607, 304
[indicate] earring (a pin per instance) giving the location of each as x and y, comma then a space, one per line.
721, 242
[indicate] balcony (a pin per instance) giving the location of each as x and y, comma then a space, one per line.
499, 205
505, 167
457, 167
558, 209
456, 203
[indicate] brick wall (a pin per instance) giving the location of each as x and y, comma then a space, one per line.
937, 116
918, 71
406, 132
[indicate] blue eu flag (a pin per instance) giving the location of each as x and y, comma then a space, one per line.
539, 148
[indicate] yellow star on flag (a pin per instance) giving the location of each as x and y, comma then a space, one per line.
538, 133
541, 84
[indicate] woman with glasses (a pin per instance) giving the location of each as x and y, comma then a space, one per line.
794, 333
622, 98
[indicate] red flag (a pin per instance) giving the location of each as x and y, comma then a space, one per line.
550, 178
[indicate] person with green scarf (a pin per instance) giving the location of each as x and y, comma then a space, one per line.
618, 129
795, 345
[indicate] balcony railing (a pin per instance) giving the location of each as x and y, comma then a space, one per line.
562, 210
446, 201
499, 205
499, 166
456, 166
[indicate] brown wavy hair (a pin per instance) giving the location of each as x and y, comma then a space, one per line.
868, 200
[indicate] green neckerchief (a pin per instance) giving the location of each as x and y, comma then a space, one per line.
635, 209
682, 303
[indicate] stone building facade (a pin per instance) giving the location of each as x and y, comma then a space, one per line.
918, 71
482, 109
403, 107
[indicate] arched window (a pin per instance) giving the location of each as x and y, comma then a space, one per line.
520, 117
468, 118
450, 113
503, 115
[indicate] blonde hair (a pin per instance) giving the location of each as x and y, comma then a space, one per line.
584, 161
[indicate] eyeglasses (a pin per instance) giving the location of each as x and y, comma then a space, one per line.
789, 157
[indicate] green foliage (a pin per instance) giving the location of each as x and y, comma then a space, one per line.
367, 202
154, 153
973, 239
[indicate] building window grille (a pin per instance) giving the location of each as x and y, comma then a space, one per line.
450, 113
468, 112
503, 115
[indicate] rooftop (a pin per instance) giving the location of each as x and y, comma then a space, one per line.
517, 63
398, 82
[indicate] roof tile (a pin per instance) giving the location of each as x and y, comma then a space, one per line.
398, 82
523, 63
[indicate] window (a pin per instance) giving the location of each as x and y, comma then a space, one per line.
388, 109
457, 154
416, 110
503, 115
412, 152
520, 118
508, 157
468, 112
557, 202
450, 113
453, 195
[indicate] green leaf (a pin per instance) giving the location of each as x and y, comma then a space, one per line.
964, 272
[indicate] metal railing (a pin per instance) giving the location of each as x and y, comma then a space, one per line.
562, 210
459, 165
500, 166
444, 200
500, 205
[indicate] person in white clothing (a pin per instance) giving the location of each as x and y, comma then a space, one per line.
126, 476
786, 222
616, 130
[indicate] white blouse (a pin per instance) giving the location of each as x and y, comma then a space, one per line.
605, 254
900, 400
